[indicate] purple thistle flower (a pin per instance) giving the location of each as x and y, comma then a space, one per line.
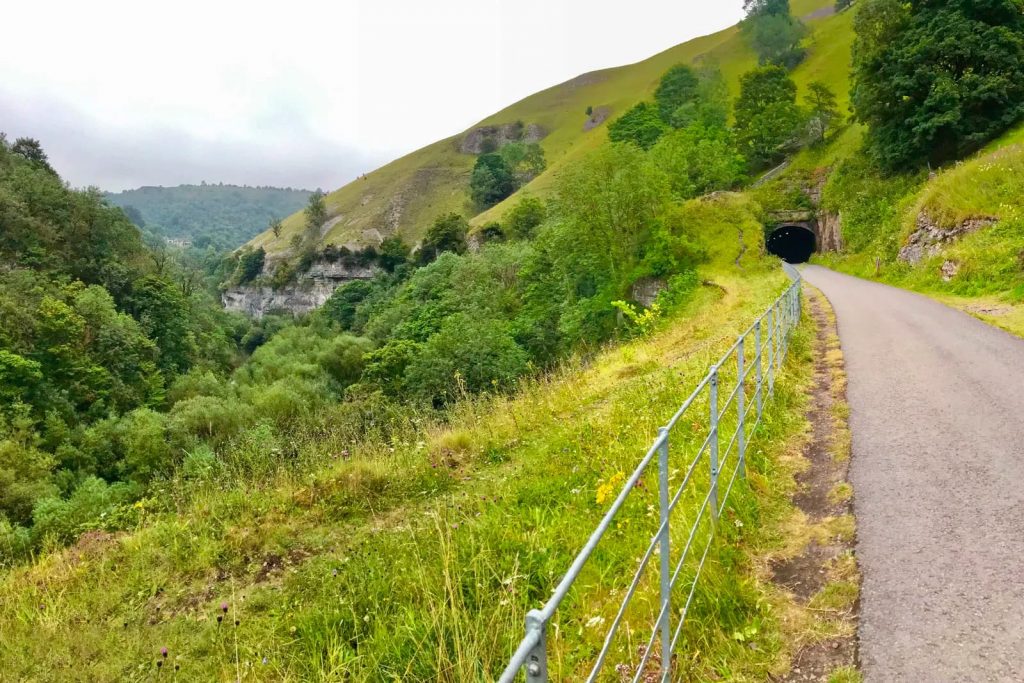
163, 651
224, 607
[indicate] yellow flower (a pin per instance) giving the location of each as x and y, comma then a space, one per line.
606, 490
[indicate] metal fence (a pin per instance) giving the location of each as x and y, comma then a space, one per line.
747, 387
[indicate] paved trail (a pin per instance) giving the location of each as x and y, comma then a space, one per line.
937, 414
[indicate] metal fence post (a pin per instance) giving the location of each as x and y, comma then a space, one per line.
666, 578
778, 343
741, 409
537, 661
713, 446
759, 360
770, 343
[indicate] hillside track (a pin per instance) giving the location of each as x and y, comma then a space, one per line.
937, 416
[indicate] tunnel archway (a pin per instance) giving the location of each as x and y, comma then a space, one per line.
792, 243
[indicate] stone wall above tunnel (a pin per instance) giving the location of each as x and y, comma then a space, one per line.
826, 226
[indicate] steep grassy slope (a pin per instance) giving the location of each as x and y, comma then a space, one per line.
415, 558
979, 269
406, 195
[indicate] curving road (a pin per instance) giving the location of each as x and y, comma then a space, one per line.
937, 414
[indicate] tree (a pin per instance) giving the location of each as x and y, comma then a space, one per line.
467, 354
765, 7
775, 38
250, 264
773, 33
843, 4
448, 233
162, 313
678, 87
316, 214
699, 160
767, 117
823, 110
934, 81
134, 215
492, 180
524, 218
275, 227
31, 150
393, 253
641, 126
525, 159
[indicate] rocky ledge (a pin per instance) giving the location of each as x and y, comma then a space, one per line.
928, 239
306, 294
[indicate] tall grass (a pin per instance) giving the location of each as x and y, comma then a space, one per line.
416, 555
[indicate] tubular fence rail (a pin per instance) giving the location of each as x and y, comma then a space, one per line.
729, 423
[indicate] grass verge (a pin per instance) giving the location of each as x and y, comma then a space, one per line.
416, 557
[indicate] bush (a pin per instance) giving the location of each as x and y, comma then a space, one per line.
250, 265
386, 366
467, 355
641, 126
142, 437
448, 233
85, 509
207, 418
493, 180
524, 218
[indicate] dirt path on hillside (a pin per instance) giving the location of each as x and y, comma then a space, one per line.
937, 415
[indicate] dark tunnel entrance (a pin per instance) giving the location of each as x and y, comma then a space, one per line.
792, 243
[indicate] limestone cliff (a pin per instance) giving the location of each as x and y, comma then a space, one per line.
310, 290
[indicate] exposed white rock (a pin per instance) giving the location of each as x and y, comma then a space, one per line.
312, 289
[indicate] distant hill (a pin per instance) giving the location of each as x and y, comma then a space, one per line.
225, 216
406, 195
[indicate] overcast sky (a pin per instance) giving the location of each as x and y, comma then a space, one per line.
297, 93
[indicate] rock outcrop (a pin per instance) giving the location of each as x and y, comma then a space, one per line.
308, 293
928, 239
476, 141
645, 291
830, 232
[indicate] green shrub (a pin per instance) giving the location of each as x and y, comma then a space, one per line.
208, 418
522, 220
92, 500
641, 126
467, 355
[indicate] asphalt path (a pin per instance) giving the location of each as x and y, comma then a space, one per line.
937, 416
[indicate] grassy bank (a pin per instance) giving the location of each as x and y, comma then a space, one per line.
416, 558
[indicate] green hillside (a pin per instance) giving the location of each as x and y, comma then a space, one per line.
405, 196
382, 489
225, 216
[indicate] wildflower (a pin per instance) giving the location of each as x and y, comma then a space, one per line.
224, 607
265, 660
163, 652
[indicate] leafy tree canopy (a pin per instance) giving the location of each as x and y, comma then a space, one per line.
934, 80
492, 180
767, 117
642, 126
448, 233
678, 87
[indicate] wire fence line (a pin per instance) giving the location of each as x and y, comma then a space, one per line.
747, 387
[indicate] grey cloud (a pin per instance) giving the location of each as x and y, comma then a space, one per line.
90, 152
